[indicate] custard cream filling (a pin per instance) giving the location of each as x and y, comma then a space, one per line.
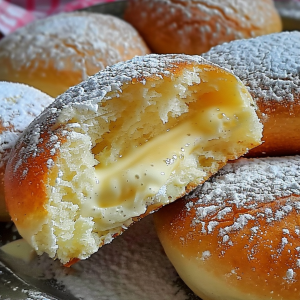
145, 171
144, 146
122, 187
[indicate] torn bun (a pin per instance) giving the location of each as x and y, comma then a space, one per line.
121, 144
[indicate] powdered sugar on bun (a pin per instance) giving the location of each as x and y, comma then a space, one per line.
19, 105
60, 51
268, 66
237, 235
194, 26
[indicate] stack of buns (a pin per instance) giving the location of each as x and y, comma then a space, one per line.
118, 145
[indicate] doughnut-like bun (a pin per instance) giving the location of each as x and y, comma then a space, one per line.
19, 105
269, 67
60, 51
237, 236
128, 140
193, 27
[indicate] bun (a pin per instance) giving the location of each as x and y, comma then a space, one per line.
19, 105
117, 146
193, 27
60, 51
237, 235
268, 66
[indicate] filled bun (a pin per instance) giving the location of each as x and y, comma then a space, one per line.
237, 235
121, 144
60, 51
19, 105
269, 67
193, 27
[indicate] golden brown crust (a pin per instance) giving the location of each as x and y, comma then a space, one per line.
244, 239
193, 27
26, 186
264, 273
281, 124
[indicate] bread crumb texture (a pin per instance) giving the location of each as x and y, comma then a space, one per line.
126, 141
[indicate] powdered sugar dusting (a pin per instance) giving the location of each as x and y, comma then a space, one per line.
266, 180
267, 65
244, 186
248, 183
68, 40
19, 105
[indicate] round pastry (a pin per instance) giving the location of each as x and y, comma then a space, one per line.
19, 105
237, 235
60, 51
268, 66
193, 27
117, 146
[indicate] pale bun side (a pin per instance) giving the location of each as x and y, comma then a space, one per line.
237, 236
268, 66
60, 51
19, 105
134, 137
193, 27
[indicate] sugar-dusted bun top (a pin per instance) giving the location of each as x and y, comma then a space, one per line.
19, 105
194, 26
70, 46
239, 230
258, 189
267, 65
247, 184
